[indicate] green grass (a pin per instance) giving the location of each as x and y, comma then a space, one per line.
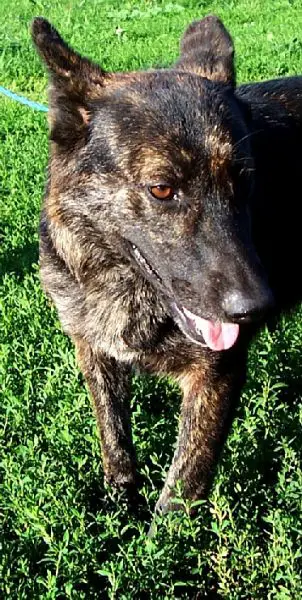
62, 534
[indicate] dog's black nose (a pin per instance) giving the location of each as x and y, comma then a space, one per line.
245, 309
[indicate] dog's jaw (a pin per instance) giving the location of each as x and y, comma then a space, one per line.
216, 336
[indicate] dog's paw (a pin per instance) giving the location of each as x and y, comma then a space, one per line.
125, 494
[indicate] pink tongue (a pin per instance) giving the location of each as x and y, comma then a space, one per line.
217, 336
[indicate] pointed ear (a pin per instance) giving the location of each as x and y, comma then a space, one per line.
75, 83
207, 49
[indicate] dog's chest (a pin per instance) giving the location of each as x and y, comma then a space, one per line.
123, 315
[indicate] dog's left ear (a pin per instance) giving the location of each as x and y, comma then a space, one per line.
75, 82
207, 49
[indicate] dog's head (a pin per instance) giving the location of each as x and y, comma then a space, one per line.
160, 162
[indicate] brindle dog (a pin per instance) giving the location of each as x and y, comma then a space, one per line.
169, 223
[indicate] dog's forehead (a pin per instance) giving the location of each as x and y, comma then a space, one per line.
165, 117
171, 94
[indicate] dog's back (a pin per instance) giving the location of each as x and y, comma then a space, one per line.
276, 126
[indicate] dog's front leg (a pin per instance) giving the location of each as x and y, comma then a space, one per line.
210, 393
109, 383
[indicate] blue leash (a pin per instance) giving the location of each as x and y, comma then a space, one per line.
23, 100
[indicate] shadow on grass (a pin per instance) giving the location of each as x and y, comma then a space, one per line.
257, 470
159, 404
19, 261
261, 465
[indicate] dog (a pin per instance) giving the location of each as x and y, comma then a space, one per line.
169, 232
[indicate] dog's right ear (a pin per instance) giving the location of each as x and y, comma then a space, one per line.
207, 49
75, 82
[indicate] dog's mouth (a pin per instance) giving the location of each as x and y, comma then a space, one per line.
142, 262
214, 335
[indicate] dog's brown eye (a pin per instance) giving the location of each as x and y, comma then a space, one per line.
162, 192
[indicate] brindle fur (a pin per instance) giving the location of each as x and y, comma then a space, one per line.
233, 153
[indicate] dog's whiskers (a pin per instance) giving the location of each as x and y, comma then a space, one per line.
245, 137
